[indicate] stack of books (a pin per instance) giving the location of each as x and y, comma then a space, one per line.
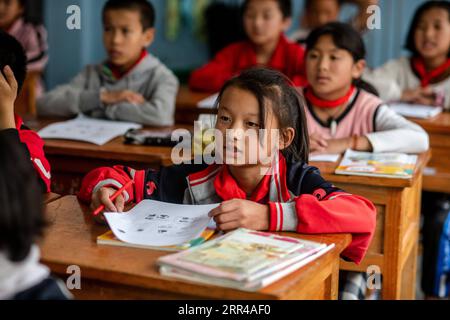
243, 259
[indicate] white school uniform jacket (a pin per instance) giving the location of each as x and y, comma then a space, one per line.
396, 76
367, 115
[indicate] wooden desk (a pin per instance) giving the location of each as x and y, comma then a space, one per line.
437, 178
395, 243
127, 273
187, 110
50, 197
70, 161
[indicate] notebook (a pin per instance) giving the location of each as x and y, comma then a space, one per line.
243, 259
324, 157
87, 129
160, 224
416, 110
388, 165
110, 239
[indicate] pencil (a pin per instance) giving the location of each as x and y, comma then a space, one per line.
113, 197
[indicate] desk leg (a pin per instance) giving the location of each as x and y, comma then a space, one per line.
400, 246
392, 269
334, 281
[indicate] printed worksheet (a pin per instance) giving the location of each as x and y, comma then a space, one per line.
154, 223
87, 129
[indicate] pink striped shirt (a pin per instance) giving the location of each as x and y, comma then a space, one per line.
34, 41
358, 118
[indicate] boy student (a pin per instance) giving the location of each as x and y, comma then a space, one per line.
13, 63
320, 12
132, 85
265, 22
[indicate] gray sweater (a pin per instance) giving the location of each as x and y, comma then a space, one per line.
150, 78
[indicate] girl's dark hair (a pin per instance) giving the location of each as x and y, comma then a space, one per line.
410, 42
344, 37
12, 54
285, 7
288, 105
21, 216
33, 11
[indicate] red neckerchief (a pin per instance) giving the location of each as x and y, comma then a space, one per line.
18, 120
119, 74
227, 187
329, 104
427, 76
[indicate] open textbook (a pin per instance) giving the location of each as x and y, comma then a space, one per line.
160, 224
388, 165
87, 129
415, 110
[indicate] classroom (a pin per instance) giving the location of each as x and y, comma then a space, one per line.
225, 150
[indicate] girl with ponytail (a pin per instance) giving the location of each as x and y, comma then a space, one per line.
343, 111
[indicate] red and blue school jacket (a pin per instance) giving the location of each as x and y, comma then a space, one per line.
300, 200
35, 147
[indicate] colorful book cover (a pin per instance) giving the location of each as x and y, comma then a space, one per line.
240, 254
388, 165
260, 280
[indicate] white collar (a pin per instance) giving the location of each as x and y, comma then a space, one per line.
16, 277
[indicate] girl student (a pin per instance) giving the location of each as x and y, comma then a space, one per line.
281, 194
264, 22
32, 36
424, 77
341, 111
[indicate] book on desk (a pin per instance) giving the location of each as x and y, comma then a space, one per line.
387, 165
243, 259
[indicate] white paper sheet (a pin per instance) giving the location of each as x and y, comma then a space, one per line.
324, 157
87, 129
154, 223
208, 103
415, 110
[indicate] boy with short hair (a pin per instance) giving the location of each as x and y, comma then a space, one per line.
13, 63
265, 22
132, 85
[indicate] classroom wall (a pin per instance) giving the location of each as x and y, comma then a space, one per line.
70, 50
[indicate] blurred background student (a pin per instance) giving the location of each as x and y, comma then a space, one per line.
15, 19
